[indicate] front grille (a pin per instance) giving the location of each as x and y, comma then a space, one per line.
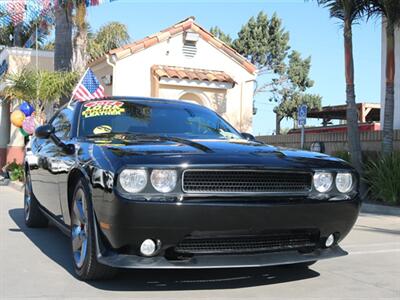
247, 244
227, 181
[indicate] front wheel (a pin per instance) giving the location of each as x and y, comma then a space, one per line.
83, 241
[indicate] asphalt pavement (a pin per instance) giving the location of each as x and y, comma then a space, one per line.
36, 263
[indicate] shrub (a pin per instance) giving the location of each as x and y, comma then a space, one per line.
383, 177
15, 171
342, 154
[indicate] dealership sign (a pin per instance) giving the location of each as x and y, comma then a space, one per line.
3, 68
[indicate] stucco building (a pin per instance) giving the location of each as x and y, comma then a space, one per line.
184, 62
14, 60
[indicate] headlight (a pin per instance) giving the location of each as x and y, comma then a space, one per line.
163, 181
323, 181
344, 182
133, 180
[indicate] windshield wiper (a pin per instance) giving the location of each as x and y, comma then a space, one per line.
137, 136
176, 140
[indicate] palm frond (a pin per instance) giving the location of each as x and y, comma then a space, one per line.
350, 10
390, 9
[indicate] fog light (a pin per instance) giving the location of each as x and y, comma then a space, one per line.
330, 240
148, 247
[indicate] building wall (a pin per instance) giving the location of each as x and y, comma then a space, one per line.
102, 70
132, 75
210, 97
19, 59
11, 140
4, 130
397, 78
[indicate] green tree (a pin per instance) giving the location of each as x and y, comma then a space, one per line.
110, 36
39, 88
218, 33
291, 92
349, 11
290, 102
265, 43
390, 12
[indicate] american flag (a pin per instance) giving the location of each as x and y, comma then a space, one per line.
88, 88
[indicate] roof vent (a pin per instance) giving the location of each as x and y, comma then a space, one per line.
190, 39
189, 50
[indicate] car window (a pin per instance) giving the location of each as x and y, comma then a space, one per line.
62, 123
154, 118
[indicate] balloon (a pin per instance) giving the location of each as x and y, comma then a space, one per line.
17, 118
29, 125
26, 108
23, 132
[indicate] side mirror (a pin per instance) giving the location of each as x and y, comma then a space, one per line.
248, 136
44, 131
47, 132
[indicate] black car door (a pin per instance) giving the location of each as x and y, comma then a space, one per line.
51, 163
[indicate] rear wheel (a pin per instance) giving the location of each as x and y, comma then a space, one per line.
32, 214
83, 241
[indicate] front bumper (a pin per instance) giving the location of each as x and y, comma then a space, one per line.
220, 261
129, 223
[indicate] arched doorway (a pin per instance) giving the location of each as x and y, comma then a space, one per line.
191, 97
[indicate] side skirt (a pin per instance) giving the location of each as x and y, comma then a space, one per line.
64, 228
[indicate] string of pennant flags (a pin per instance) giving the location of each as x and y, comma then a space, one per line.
25, 11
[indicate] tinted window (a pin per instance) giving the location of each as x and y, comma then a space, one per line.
155, 118
62, 123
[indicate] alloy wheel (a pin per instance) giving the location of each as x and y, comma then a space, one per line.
79, 229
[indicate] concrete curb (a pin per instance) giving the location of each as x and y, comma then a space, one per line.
369, 208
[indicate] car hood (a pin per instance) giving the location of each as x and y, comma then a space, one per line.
117, 154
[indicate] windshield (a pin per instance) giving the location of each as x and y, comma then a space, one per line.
153, 118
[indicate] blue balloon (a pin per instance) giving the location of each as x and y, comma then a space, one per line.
26, 108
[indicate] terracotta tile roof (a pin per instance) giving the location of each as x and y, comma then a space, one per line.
175, 30
191, 74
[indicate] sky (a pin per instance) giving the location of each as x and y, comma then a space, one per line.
312, 33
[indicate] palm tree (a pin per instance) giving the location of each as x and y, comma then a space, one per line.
349, 11
110, 36
63, 36
390, 11
40, 88
80, 40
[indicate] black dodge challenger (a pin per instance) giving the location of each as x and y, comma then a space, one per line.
150, 183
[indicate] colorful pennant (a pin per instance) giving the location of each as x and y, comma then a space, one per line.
24, 11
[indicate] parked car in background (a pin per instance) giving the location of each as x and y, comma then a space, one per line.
151, 183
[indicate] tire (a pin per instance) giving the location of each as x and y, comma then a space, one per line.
33, 216
83, 240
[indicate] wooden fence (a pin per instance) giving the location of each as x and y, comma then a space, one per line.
334, 142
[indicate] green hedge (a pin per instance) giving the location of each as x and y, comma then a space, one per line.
383, 178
